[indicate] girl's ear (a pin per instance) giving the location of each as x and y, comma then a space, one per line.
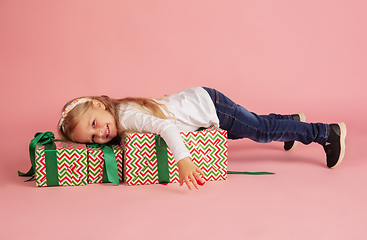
99, 104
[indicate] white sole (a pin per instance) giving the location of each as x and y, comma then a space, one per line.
302, 117
343, 134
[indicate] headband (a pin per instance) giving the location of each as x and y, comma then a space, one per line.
70, 107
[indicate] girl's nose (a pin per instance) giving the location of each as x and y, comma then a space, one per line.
98, 133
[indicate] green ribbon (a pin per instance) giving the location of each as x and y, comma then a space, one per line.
46, 139
250, 173
52, 175
110, 172
162, 159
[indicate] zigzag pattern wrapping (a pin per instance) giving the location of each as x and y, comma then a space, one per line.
72, 164
96, 160
208, 150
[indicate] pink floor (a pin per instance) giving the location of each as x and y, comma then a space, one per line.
304, 200
269, 56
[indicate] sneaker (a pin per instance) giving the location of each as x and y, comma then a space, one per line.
288, 146
335, 144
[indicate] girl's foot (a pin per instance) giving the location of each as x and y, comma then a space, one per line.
335, 144
292, 144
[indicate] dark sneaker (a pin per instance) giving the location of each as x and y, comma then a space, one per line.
292, 144
335, 144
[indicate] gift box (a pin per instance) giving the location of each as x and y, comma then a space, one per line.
58, 163
61, 163
96, 160
149, 161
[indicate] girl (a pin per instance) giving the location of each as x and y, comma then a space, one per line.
102, 119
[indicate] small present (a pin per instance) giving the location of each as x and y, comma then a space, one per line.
58, 163
61, 163
96, 162
149, 161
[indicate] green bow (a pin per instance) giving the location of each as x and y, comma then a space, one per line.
45, 138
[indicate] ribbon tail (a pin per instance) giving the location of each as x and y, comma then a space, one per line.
27, 174
33, 178
30, 173
250, 173
110, 172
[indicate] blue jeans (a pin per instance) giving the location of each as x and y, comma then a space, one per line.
240, 123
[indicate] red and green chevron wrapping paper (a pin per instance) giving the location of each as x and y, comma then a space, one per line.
72, 164
208, 150
96, 160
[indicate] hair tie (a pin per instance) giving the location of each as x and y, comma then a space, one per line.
70, 107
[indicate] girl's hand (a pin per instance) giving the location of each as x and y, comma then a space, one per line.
188, 171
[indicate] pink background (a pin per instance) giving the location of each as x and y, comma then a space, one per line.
270, 56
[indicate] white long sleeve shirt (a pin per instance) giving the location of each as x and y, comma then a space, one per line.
192, 108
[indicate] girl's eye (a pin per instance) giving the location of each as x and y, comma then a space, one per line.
94, 123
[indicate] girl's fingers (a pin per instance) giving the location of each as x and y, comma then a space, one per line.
193, 181
187, 181
198, 176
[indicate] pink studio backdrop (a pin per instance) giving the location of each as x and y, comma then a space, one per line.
269, 56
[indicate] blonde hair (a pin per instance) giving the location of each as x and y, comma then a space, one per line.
147, 105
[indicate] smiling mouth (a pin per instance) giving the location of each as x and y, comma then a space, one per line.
107, 132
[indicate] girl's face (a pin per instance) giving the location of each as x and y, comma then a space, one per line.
97, 125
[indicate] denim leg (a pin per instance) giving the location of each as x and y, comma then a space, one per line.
240, 123
277, 116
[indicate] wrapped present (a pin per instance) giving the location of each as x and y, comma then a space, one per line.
149, 161
61, 163
96, 162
